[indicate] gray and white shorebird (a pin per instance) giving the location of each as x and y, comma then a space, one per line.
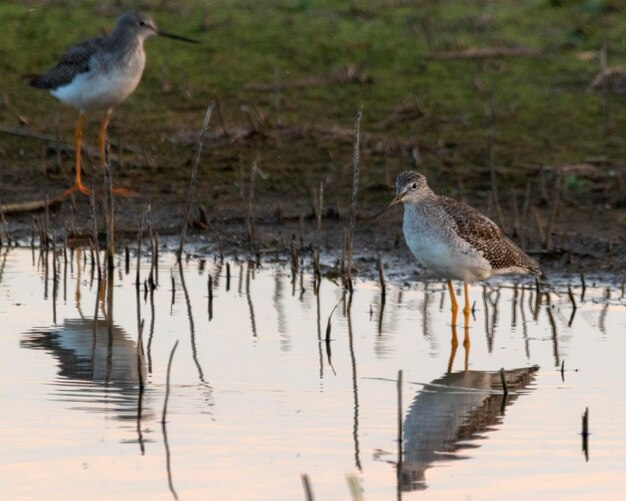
454, 240
99, 73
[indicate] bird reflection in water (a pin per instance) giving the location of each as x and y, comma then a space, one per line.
100, 372
99, 366
450, 414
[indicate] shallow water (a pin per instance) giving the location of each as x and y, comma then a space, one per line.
258, 398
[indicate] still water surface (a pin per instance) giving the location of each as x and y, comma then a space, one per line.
258, 398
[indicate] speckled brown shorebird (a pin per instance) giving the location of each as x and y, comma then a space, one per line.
454, 240
99, 73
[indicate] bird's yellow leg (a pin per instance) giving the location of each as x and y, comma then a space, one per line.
102, 137
466, 314
466, 310
454, 340
455, 305
78, 136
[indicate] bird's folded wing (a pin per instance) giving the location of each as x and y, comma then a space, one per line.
74, 62
486, 237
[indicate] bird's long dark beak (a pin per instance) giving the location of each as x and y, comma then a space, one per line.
175, 37
396, 200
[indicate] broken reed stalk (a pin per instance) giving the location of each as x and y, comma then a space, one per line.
92, 255
65, 243
94, 228
294, 257
356, 167
539, 221
173, 285
301, 229
381, 279
7, 233
140, 358
249, 216
126, 260
329, 324
306, 484
517, 231
41, 236
167, 383
492, 169
151, 278
47, 224
139, 243
32, 233
570, 294
156, 257
558, 183
399, 438
585, 433
505, 388
220, 115
343, 256
54, 260
320, 208
583, 286
192, 183
109, 210
210, 291
525, 211
227, 277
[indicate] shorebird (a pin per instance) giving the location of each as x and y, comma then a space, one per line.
454, 240
99, 73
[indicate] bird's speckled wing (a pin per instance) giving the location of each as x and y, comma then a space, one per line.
486, 237
74, 62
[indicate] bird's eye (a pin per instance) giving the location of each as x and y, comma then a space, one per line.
414, 186
143, 24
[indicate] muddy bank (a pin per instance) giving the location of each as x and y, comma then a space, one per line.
582, 240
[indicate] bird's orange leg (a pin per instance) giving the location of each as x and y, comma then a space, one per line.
102, 137
78, 185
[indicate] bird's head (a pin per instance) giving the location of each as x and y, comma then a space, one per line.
411, 188
141, 25
137, 23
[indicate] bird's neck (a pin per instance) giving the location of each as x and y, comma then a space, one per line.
426, 204
423, 212
125, 44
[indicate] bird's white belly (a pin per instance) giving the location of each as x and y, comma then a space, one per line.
451, 260
101, 92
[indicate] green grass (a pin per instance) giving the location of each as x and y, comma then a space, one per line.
544, 114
